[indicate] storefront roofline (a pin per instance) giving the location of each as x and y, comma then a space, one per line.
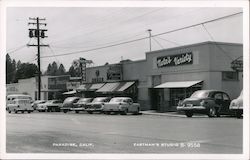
197, 44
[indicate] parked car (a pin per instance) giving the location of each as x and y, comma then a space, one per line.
35, 103
210, 102
68, 103
81, 104
236, 105
122, 105
54, 106
20, 105
42, 107
97, 104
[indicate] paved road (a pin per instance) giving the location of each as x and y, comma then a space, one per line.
98, 133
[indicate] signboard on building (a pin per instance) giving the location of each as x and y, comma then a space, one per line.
237, 65
72, 85
114, 72
58, 82
175, 60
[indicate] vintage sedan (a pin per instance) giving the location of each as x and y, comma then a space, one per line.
97, 104
236, 106
122, 105
81, 104
35, 103
210, 102
54, 106
68, 103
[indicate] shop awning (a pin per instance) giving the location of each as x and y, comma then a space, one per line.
96, 86
183, 84
70, 92
109, 87
125, 86
82, 87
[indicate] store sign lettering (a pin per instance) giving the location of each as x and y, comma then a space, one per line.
175, 60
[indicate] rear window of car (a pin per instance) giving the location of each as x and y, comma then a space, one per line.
200, 94
99, 99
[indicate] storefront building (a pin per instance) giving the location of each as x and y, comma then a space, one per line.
170, 75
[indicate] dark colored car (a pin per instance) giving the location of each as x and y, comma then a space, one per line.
97, 104
210, 102
68, 103
81, 104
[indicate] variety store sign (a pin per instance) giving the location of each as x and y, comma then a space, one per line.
175, 60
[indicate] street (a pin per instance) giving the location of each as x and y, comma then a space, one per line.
100, 133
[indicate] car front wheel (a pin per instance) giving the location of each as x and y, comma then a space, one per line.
211, 112
189, 114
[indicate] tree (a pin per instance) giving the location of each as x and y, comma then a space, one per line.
54, 69
74, 72
48, 71
26, 70
9, 69
61, 70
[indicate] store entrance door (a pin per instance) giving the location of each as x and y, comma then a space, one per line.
156, 99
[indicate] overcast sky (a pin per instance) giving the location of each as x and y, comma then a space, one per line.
82, 28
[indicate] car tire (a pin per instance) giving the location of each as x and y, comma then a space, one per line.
137, 111
15, 111
77, 111
189, 114
124, 112
65, 111
90, 112
28, 111
211, 112
238, 114
9, 111
22, 111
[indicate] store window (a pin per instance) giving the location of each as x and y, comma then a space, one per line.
179, 94
230, 76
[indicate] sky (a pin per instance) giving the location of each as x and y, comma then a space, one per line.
73, 29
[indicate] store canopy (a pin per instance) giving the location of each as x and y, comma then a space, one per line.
96, 86
70, 92
82, 87
125, 86
183, 84
109, 87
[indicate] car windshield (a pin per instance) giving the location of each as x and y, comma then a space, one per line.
200, 94
99, 99
84, 100
69, 99
116, 100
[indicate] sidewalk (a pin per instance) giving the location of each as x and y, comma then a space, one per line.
169, 114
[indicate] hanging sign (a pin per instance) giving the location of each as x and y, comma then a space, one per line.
175, 60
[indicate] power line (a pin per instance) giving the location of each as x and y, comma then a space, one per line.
158, 43
218, 46
139, 39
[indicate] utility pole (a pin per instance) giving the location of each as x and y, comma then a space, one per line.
150, 35
37, 33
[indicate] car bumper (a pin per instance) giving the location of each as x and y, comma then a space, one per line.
194, 108
93, 109
235, 108
77, 109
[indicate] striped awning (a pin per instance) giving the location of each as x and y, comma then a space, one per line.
183, 84
96, 86
125, 86
108, 87
70, 92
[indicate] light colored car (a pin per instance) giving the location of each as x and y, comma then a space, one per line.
236, 105
35, 103
122, 105
68, 103
97, 104
210, 102
81, 104
20, 105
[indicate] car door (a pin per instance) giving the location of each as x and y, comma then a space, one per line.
225, 103
218, 100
